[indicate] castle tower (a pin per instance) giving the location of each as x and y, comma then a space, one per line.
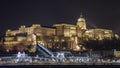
81, 23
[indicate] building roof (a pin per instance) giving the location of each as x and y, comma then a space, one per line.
64, 25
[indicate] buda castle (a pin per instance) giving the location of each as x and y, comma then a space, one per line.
60, 36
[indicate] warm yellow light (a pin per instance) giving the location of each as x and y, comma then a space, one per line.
63, 40
72, 39
77, 48
116, 36
84, 48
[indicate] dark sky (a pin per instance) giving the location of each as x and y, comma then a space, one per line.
98, 13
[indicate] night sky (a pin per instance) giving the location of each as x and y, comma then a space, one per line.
98, 13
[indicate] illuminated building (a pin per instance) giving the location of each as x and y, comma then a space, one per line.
98, 34
60, 36
67, 30
81, 23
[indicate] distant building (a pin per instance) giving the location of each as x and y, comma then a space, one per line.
59, 36
98, 34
